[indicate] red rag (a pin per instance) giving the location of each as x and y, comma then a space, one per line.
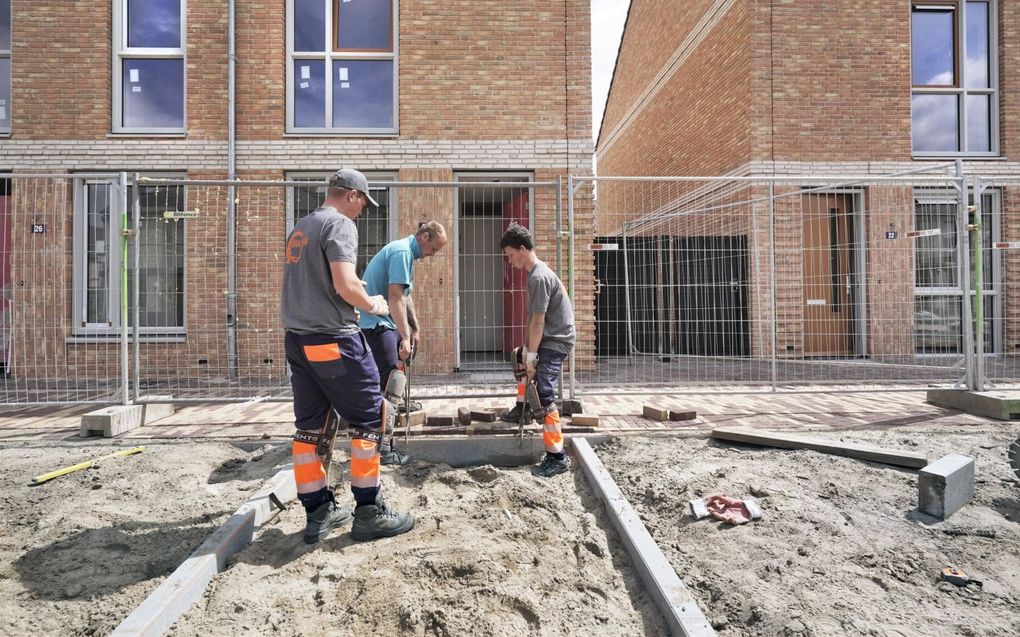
729, 510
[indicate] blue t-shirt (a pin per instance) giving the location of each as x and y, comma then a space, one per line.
393, 265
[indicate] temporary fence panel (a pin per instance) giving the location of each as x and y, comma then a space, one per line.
995, 279
776, 283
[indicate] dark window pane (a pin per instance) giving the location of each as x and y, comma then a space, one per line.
5, 25
154, 23
977, 45
97, 253
932, 47
364, 24
978, 123
153, 93
935, 123
309, 25
309, 93
161, 270
5, 92
935, 257
363, 94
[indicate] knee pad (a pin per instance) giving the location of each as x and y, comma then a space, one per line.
387, 417
395, 385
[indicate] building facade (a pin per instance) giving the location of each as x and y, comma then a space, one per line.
774, 89
408, 91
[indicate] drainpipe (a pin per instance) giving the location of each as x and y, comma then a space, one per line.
231, 208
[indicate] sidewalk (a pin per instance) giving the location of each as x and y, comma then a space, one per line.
619, 414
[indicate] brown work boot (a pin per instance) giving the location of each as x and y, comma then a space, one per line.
373, 521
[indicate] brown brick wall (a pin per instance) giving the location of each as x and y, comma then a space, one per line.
698, 122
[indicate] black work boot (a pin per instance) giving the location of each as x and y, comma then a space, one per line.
324, 519
394, 456
550, 466
373, 521
514, 415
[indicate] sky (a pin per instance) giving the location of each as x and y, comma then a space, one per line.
607, 18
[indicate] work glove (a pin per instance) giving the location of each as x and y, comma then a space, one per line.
379, 305
530, 362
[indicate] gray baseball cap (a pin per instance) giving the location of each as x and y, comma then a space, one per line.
352, 180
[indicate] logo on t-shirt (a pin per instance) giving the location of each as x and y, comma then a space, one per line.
295, 245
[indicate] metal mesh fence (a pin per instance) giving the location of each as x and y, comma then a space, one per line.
778, 283
679, 284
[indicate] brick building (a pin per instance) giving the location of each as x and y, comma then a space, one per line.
779, 88
407, 91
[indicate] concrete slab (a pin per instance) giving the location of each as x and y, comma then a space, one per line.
111, 421
946, 485
673, 598
157, 411
188, 582
991, 404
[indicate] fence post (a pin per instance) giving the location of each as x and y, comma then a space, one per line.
963, 272
977, 264
559, 260
136, 208
125, 236
570, 274
772, 284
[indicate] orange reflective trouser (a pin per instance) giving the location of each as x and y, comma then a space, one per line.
553, 433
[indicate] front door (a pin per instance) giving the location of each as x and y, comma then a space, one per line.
828, 300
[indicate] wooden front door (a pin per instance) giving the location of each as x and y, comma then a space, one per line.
828, 300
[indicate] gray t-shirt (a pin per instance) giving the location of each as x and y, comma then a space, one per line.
547, 294
309, 302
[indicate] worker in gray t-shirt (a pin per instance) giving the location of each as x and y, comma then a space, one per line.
549, 339
331, 365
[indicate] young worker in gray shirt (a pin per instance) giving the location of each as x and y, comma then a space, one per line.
549, 339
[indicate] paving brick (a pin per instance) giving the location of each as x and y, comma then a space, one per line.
585, 420
655, 413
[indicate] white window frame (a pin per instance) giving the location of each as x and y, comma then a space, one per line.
6, 54
329, 56
993, 310
91, 332
961, 92
121, 51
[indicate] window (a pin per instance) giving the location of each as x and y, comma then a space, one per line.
97, 270
342, 66
5, 66
954, 108
149, 66
376, 225
938, 292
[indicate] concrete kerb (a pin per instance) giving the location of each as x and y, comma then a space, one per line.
188, 582
676, 602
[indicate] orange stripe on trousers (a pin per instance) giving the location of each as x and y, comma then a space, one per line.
307, 474
553, 434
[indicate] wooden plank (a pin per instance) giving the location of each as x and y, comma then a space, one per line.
849, 450
585, 420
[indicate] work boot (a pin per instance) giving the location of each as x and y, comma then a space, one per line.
514, 415
415, 406
550, 466
394, 456
373, 521
324, 519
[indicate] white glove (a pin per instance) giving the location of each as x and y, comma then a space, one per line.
530, 361
379, 305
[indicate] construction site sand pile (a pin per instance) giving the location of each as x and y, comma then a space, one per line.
80, 552
841, 548
494, 552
